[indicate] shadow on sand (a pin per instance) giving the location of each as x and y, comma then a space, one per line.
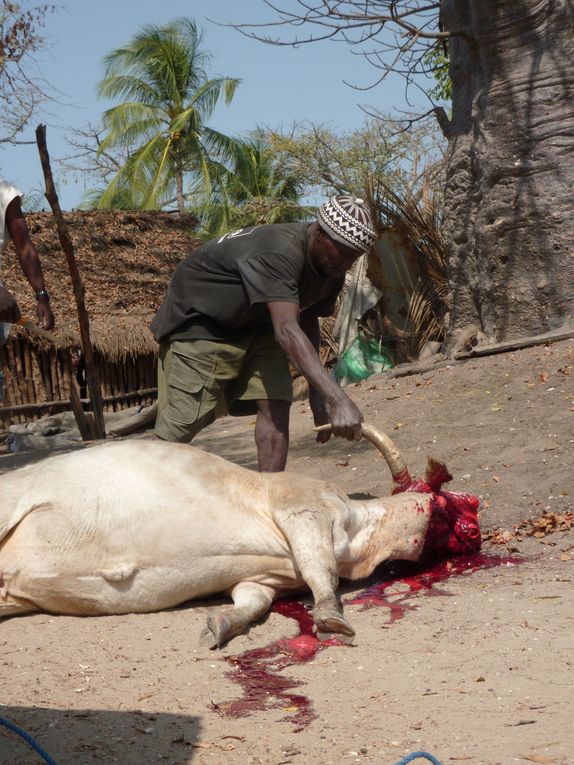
93, 736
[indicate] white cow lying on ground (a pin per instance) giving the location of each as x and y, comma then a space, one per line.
139, 526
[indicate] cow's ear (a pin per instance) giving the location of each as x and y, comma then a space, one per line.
436, 474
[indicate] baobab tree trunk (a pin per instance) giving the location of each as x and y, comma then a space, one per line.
510, 178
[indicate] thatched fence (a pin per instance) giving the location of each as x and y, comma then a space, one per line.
39, 374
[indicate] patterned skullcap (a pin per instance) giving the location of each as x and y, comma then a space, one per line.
347, 220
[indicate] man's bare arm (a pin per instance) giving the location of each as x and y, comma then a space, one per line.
29, 260
344, 415
309, 323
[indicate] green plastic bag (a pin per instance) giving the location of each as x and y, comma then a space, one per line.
362, 359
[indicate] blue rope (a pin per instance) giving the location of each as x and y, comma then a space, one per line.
28, 739
416, 755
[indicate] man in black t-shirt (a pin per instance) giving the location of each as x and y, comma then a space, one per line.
238, 308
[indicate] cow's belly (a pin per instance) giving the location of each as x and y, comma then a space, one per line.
62, 584
148, 537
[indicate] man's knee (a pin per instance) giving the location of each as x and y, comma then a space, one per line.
170, 428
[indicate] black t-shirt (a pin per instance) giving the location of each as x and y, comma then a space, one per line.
222, 288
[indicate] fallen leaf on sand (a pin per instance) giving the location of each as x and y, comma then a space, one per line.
499, 536
547, 523
540, 758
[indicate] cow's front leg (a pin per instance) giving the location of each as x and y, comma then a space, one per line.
310, 535
250, 602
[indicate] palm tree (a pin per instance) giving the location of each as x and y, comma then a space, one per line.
161, 75
257, 190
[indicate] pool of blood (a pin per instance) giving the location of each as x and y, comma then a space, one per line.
257, 671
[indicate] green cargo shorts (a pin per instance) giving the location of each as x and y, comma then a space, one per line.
199, 380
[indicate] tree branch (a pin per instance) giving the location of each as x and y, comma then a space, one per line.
393, 35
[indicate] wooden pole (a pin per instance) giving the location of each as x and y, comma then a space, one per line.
92, 377
515, 345
79, 414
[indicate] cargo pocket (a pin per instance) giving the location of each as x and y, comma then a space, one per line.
184, 406
190, 396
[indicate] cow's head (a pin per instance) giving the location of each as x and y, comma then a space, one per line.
453, 528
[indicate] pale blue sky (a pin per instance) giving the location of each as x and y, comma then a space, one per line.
280, 85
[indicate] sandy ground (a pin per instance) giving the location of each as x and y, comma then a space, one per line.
477, 668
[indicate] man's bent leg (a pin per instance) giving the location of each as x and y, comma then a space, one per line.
187, 392
272, 434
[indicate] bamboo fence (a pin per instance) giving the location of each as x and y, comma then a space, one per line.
38, 380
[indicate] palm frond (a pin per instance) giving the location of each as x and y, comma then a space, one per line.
418, 219
253, 192
219, 146
128, 123
207, 96
161, 125
128, 87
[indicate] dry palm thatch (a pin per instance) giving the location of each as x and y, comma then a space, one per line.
418, 219
126, 260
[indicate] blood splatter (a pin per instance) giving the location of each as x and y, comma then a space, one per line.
257, 671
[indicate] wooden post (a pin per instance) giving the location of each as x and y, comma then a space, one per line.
92, 377
80, 415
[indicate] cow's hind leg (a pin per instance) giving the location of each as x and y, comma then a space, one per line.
9, 605
250, 602
15, 607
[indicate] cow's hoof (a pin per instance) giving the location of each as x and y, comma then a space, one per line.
339, 636
216, 633
332, 624
207, 639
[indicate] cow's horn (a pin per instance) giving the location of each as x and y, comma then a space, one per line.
399, 471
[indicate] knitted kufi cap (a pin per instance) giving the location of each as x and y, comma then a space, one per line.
346, 220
